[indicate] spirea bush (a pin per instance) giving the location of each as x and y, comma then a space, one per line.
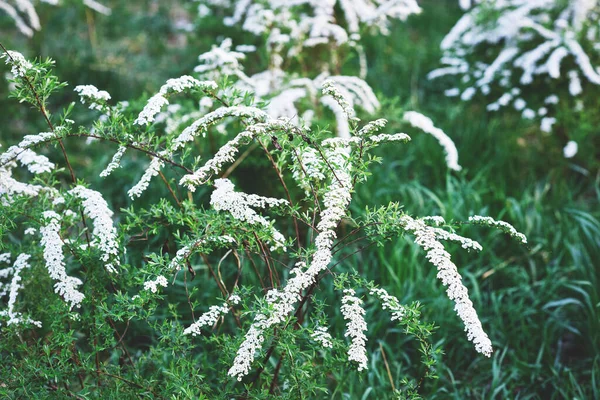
538, 58
205, 286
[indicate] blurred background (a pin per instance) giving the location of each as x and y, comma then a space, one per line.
540, 304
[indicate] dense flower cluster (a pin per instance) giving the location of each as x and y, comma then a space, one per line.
153, 285
530, 42
65, 286
240, 206
211, 317
320, 335
114, 163
427, 238
95, 99
104, 233
424, 123
15, 317
389, 302
354, 314
159, 100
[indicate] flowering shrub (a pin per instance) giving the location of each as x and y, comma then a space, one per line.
277, 262
538, 57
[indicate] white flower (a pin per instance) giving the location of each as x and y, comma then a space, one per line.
210, 317
547, 123
114, 163
90, 94
504, 226
390, 303
354, 314
420, 121
570, 149
19, 65
320, 335
159, 100
104, 233
16, 317
153, 285
51, 242
426, 237
240, 205
153, 169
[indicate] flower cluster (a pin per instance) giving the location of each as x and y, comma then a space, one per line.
427, 238
211, 317
240, 205
354, 314
159, 100
227, 153
14, 317
104, 233
153, 169
424, 123
19, 66
153, 285
95, 99
504, 226
530, 42
320, 335
65, 286
114, 163
390, 303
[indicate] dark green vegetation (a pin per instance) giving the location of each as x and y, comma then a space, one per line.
539, 304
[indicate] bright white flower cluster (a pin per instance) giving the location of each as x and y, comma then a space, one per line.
26, 19
427, 238
504, 226
389, 302
201, 125
424, 123
65, 286
95, 99
18, 64
104, 233
176, 85
186, 251
529, 41
227, 153
114, 163
356, 325
153, 285
319, 25
14, 317
220, 60
330, 89
320, 335
309, 168
252, 343
153, 169
211, 317
240, 205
